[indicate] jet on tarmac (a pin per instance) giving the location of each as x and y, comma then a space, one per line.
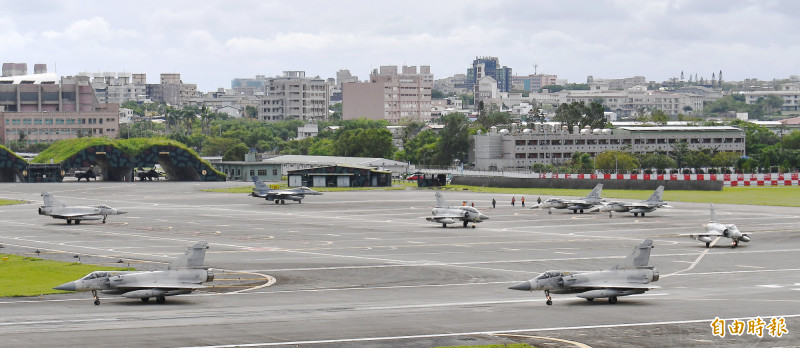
715, 229
280, 196
182, 276
58, 210
651, 204
576, 205
445, 214
629, 277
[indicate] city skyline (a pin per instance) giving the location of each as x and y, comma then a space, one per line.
209, 45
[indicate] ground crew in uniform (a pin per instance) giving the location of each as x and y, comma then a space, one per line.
539, 200
523, 201
513, 200
494, 203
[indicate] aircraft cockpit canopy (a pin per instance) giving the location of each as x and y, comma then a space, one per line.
95, 275
548, 274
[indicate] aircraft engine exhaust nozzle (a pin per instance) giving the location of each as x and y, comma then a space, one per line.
744, 238
71, 286
41, 211
210, 275
524, 286
655, 275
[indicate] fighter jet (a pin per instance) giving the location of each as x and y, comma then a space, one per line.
445, 214
59, 210
651, 204
715, 229
629, 277
280, 196
182, 276
576, 205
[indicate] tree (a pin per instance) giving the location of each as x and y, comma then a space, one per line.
615, 162
251, 111
454, 142
236, 153
659, 161
680, 149
337, 111
659, 117
494, 118
437, 94
725, 159
569, 114
581, 163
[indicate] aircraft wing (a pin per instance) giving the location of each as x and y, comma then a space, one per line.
76, 215
618, 286
448, 216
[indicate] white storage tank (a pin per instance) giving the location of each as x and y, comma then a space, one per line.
527, 130
576, 129
596, 131
586, 131
504, 131
606, 131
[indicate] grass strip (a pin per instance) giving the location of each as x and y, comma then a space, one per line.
30, 276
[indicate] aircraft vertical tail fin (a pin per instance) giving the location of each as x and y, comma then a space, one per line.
596, 191
440, 201
713, 214
657, 194
50, 201
260, 185
640, 256
192, 258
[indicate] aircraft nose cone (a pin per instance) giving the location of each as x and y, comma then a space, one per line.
524, 286
67, 287
484, 217
121, 212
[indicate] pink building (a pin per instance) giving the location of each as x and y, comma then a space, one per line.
390, 96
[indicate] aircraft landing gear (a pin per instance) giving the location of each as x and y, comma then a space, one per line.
145, 299
161, 299
473, 225
465, 223
104, 218
69, 222
609, 215
581, 211
642, 214
575, 211
735, 244
590, 299
549, 299
708, 245
612, 299
444, 225
96, 299
635, 214
77, 222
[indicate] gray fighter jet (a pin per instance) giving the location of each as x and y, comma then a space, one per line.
576, 205
629, 277
76, 213
445, 214
651, 204
280, 196
182, 276
715, 229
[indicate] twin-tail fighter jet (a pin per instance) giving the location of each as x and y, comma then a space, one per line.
182, 276
629, 277
715, 229
280, 196
445, 214
651, 204
76, 213
576, 205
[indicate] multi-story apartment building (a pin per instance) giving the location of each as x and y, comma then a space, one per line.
790, 93
225, 100
294, 96
118, 88
489, 66
39, 109
390, 96
172, 90
618, 84
250, 86
550, 143
629, 102
533, 83
456, 84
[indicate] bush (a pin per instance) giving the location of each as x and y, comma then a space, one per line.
700, 171
712, 171
687, 171
674, 171
648, 171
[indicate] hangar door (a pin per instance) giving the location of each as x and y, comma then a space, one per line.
343, 181
295, 180
319, 181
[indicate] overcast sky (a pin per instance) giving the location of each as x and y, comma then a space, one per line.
211, 42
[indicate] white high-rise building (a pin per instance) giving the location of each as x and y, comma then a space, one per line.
294, 96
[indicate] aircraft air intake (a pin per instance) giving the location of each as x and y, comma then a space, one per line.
210, 275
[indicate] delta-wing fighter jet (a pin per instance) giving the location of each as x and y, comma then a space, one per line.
280, 196
629, 277
641, 207
76, 213
182, 276
446, 214
715, 229
576, 205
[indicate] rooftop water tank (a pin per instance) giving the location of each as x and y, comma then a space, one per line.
504, 131
596, 131
585, 131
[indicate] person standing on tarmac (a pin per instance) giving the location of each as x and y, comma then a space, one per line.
523, 201
494, 203
513, 200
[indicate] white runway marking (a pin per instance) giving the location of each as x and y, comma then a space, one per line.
490, 333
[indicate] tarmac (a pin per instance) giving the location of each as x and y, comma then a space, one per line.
364, 269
